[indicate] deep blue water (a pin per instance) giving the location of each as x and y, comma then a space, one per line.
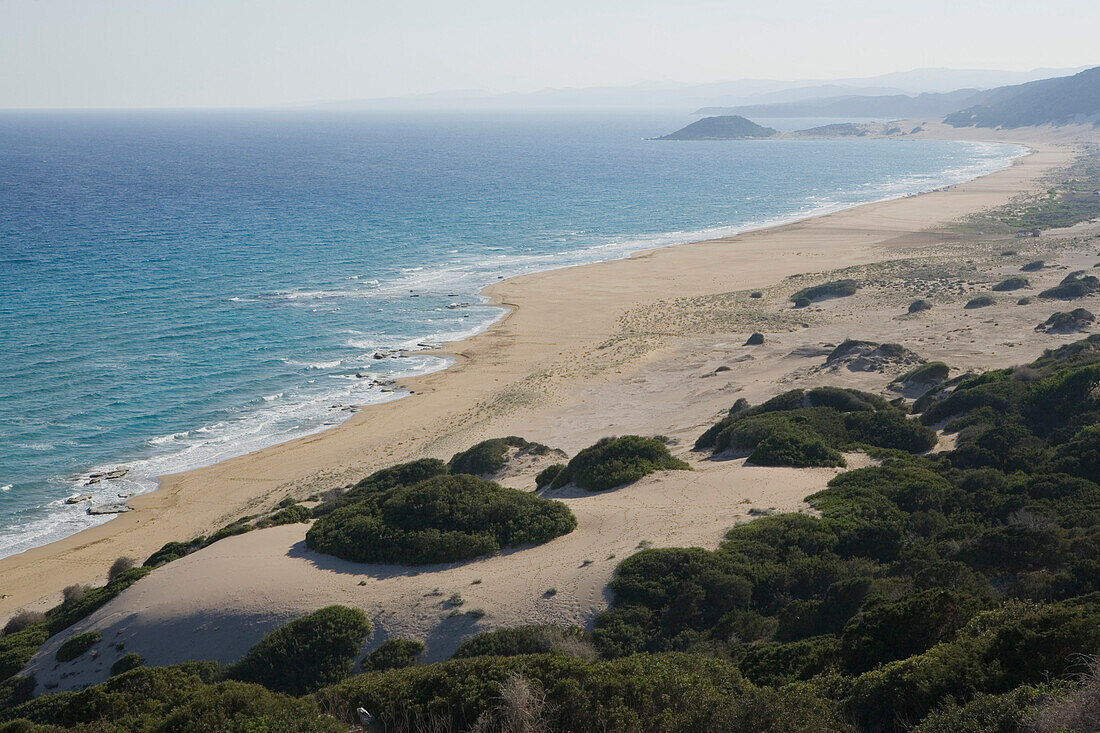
176, 288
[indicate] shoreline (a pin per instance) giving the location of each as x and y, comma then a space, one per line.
140, 480
491, 378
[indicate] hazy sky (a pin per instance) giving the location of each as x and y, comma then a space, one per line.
166, 53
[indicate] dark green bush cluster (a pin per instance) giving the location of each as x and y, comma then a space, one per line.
126, 662
307, 653
1074, 285
1033, 266
981, 301
489, 456
834, 289
180, 698
612, 462
659, 693
444, 518
531, 639
1011, 283
810, 428
920, 305
929, 373
393, 654
77, 644
943, 588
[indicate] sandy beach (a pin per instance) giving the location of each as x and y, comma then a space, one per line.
626, 346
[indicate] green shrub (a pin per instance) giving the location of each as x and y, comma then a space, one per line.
68, 613
834, 289
403, 474
126, 662
441, 519
889, 429
845, 400
1073, 286
393, 654
307, 653
1032, 266
173, 699
533, 639
981, 301
920, 305
290, 515
613, 462
928, 373
489, 456
16, 649
547, 475
793, 447
76, 645
1012, 283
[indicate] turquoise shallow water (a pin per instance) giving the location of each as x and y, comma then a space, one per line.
177, 288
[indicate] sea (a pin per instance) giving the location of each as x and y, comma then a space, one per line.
180, 287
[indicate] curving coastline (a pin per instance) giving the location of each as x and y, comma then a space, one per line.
545, 351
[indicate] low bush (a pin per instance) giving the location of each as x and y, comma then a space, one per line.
613, 462
171, 699
834, 289
307, 653
1074, 285
489, 456
290, 515
441, 519
126, 662
755, 339
794, 447
17, 648
533, 639
920, 305
76, 645
1032, 266
1011, 283
393, 654
22, 619
929, 373
982, 301
120, 566
547, 475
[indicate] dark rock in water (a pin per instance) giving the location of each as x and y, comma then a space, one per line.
755, 340
1078, 319
78, 498
919, 305
108, 509
867, 356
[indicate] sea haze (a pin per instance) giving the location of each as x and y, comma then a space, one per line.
177, 288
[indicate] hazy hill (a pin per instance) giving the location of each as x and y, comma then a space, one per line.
853, 105
1062, 100
675, 95
726, 127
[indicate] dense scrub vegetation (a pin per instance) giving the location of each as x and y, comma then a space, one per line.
1074, 285
834, 289
926, 582
612, 462
1011, 283
957, 591
810, 428
398, 516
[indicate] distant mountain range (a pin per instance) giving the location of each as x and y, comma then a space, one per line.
1063, 100
929, 104
671, 95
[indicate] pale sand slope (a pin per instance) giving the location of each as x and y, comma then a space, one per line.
217, 602
528, 367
